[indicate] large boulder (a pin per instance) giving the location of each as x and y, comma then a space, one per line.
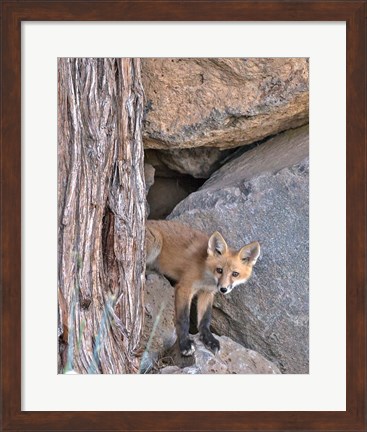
259, 197
222, 103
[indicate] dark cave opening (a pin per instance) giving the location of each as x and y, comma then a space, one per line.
168, 177
167, 192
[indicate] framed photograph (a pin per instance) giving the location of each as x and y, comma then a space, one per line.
252, 116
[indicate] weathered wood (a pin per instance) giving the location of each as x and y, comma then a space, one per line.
101, 213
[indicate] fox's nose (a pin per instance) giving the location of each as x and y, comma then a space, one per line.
223, 290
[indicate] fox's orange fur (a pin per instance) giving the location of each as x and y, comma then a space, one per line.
202, 266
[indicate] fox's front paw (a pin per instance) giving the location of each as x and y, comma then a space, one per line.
187, 347
210, 342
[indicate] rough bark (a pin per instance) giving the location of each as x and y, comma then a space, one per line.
101, 213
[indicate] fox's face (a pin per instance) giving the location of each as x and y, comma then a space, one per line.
230, 268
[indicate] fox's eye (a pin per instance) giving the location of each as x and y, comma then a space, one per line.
235, 274
219, 270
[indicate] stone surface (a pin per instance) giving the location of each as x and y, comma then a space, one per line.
159, 332
152, 157
149, 172
256, 198
284, 150
232, 358
222, 103
199, 162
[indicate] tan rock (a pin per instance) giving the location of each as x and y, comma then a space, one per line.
222, 103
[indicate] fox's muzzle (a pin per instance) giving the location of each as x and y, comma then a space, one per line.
226, 290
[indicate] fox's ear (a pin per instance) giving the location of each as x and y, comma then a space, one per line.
217, 245
250, 253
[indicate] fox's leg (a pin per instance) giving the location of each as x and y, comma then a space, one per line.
183, 299
204, 306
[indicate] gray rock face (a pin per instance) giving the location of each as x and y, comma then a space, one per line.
222, 103
284, 150
232, 358
256, 198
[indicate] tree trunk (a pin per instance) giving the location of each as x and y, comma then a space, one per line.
101, 214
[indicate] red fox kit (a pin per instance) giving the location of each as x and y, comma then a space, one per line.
202, 266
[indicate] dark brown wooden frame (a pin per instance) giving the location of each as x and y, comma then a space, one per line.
13, 13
